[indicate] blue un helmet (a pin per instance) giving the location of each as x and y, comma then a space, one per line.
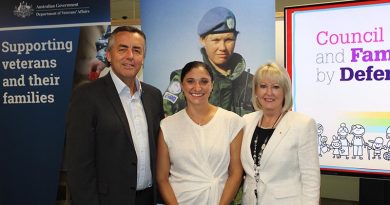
217, 20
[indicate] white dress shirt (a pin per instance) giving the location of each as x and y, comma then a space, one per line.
135, 114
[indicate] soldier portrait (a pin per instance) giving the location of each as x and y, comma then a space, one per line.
232, 84
233, 39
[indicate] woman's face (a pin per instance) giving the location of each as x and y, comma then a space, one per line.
197, 86
219, 47
270, 95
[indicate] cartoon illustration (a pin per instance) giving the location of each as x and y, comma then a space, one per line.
377, 146
388, 133
336, 146
322, 146
342, 133
358, 142
386, 155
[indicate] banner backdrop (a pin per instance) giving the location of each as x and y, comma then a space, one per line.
173, 40
42, 45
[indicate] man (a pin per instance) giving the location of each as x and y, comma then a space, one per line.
112, 128
232, 83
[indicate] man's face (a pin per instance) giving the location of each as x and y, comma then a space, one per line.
126, 55
219, 47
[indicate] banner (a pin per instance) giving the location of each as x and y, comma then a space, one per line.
173, 40
44, 47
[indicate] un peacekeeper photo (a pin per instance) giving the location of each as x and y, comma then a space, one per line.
232, 82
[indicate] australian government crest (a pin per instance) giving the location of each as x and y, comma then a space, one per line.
23, 10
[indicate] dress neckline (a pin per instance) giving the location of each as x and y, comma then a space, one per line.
201, 125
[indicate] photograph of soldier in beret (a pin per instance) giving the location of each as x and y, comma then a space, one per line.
232, 88
231, 37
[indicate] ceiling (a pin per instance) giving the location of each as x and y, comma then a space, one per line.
129, 10
125, 9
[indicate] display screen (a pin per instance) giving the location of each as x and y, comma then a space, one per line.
338, 56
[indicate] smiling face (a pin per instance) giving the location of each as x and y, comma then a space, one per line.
126, 55
270, 95
336, 144
219, 47
197, 86
270, 82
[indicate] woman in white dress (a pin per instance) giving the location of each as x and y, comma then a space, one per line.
279, 148
198, 157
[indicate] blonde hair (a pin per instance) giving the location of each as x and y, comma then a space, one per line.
273, 71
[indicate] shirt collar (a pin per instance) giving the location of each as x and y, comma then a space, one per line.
121, 86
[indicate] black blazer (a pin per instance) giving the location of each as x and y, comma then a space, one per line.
100, 154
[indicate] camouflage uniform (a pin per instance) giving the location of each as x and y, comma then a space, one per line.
232, 92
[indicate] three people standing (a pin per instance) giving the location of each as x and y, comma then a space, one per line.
113, 124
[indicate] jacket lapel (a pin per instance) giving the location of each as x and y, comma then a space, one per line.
116, 103
147, 103
251, 126
278, 135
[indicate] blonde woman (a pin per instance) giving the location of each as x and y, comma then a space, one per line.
279, 148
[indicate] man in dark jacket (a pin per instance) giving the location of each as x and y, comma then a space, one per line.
112, 127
